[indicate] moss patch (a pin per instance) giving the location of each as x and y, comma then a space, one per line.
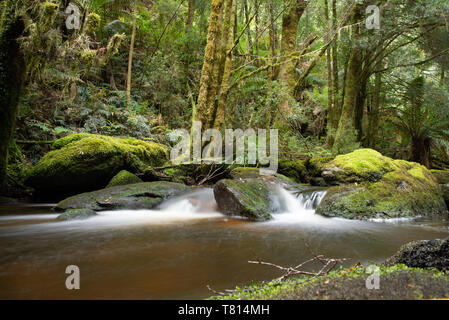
294, 169
82, 162
396, 282
144, 195
374, 186
441, 175
76, 214
123, 178
250, 198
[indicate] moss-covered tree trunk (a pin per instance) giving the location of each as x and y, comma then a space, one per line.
346, 133
130, 56
12, 74
207, 92
290, 21
228, 42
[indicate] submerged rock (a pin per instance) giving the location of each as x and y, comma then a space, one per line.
123, 178
83, 162
145, 195
423, 254
252, 199
369, 185
76, 214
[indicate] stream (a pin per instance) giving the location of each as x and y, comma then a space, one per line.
174, 252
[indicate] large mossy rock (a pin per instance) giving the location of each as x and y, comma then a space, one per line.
423, 254
251, 199
84, 162
123, 178
441, 175
145, 195
251, 195
369, 185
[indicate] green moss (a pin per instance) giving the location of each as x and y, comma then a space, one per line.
441, 175
122, 178
76, 214
83, 162
383, 188
249, 198
316, 164
396, 282
294, 169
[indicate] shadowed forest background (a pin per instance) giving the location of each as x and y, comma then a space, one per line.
145, 68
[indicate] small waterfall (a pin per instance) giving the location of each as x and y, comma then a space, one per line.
300, 206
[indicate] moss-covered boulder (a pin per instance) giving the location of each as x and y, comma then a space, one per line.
442, 176
83, 162
252, 199
145, 195
294, 169
76, 214
370, 185
123, 178
423, 254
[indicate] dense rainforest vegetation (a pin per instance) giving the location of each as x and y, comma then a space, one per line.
315, 70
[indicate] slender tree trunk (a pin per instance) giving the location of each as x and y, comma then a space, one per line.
207, 89
290, 21
12, 75
130, 57
360, 108
190, 13
271, 70
336, 88
248, 29
374, 113
330, 86
228, 35
346, 133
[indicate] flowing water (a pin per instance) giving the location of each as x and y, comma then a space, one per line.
176, 251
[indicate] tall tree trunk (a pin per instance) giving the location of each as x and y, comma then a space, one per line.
130, 57
228, 35
360, 108
248, 29
190, 13
290, 21
374, 113
346, 133
330, 86
271, 70
207, 88
12, 75
335, 83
